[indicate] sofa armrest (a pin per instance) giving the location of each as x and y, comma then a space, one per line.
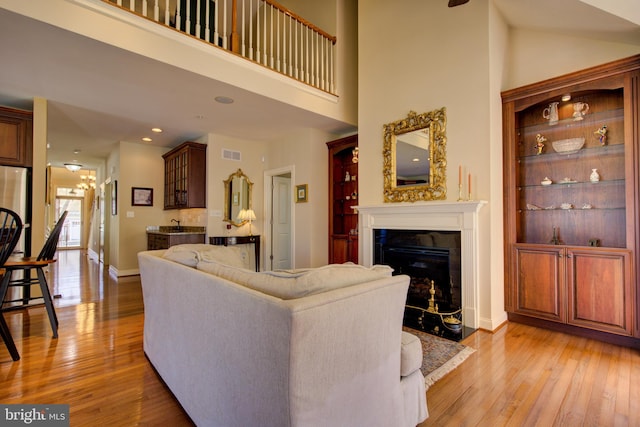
410, 354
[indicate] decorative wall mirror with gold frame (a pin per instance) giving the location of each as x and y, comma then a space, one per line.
237, 196
414, 157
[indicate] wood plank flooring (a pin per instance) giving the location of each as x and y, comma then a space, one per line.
519, 375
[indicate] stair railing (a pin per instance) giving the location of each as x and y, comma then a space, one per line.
261, 31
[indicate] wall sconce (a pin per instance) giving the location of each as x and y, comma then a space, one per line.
354, 155
247, 215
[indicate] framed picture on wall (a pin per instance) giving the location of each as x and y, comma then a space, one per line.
141, 196
302, 193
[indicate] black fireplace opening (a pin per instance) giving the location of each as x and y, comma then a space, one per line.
432, 260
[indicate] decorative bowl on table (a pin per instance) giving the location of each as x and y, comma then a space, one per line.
568, 146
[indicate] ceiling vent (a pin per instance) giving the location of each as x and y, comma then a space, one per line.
231, 155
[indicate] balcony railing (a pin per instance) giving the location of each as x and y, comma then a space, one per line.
261, 31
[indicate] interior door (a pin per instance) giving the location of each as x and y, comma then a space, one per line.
281, 223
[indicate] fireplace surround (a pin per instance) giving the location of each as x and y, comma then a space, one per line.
431, 216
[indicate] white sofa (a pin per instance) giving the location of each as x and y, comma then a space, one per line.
237, 356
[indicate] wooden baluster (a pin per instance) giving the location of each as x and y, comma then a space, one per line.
207, 20
258, 38
290, 46
167, 14
243, 37
321, 55
216, 22
225, 34
331, 67
178, 17
198, 23
187, 25
296, 39
235, 41
277, 29
271, 31
264, 35
250, 30
144, 8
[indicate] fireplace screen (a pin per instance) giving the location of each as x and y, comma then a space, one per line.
432, 260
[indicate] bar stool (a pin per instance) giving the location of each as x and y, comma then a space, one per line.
10, 230
27, 264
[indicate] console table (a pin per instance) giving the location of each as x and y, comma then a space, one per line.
239, 240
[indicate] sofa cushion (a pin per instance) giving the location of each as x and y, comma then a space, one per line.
290, 284
192, 253
410, 354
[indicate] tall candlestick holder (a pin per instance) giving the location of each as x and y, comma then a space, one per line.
460, 198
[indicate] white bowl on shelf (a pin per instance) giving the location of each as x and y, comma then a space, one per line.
567, 146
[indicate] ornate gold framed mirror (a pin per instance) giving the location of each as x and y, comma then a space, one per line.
237, 196
414, 157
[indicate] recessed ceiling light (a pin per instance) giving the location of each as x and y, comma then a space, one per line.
415, 160
147, 139
224, 100
156, 130
566, 98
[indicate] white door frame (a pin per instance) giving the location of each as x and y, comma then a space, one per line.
268, 198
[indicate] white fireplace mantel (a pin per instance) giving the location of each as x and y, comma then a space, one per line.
432, 216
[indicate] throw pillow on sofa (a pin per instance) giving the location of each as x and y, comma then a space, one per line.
191, 254
290, 284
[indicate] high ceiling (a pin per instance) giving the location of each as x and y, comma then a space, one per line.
85, 82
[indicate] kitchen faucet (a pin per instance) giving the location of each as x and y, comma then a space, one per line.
176, 221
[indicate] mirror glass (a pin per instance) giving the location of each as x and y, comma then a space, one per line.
414, 157
237, 196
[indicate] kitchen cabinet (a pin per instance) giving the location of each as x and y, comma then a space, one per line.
165, 239
570, 214
185, 176
16, 134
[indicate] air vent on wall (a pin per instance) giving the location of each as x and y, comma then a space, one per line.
231, 155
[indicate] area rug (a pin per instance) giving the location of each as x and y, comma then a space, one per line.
440, 356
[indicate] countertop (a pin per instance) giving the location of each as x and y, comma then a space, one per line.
173, 229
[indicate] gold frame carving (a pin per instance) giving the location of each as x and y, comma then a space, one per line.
436, 188
228, 197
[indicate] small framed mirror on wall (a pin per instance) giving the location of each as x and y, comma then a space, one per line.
237, 196
414, 157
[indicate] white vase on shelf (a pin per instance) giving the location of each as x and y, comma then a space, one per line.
594, 177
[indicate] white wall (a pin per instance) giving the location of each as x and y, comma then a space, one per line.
535, 55
308, 152
219, 169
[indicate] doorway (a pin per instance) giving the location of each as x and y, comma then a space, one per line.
69, 200
279, 219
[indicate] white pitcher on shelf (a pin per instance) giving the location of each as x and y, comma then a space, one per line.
579, 110
551, 113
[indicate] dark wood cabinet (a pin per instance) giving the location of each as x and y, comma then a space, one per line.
571, 217
185, 176
166, 240
343, 196
16, 134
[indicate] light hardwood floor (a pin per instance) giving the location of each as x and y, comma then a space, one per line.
518, 375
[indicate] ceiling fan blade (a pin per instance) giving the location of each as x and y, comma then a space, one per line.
453, 3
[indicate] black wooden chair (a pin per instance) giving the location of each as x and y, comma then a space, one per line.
10, 230
27, 264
